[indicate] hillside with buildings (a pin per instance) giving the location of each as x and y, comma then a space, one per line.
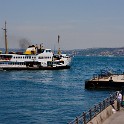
87, 52
100, 52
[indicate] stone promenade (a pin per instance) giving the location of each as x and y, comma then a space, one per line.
116, 118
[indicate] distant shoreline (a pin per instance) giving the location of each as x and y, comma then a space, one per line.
110, 52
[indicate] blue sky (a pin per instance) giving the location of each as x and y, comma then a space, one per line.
80, 23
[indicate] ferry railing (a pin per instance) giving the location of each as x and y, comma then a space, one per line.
95, 110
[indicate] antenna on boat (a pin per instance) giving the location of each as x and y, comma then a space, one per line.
5, 32
59, 51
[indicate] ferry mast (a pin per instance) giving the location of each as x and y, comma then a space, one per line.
59, 51
6, 45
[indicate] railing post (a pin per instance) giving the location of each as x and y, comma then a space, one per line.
107, 101
104, 104
76, 120
114, 95
84, 117
90, 113
100, 106
94, 110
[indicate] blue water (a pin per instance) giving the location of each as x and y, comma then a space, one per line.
52, 97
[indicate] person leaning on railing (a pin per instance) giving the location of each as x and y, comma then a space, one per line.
119, 99
112, 102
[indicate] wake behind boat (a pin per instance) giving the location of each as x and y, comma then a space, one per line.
34, 58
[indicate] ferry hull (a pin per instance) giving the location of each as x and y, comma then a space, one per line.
36, 68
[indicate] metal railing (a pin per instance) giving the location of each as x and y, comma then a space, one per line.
95, 110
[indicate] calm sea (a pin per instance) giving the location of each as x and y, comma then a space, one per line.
52, 97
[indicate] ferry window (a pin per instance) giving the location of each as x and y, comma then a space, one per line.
48, 51
42, 50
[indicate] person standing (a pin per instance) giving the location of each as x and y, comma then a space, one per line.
119, 99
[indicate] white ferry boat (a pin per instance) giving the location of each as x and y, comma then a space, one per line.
34, 58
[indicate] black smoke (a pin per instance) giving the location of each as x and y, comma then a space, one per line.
24, 43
